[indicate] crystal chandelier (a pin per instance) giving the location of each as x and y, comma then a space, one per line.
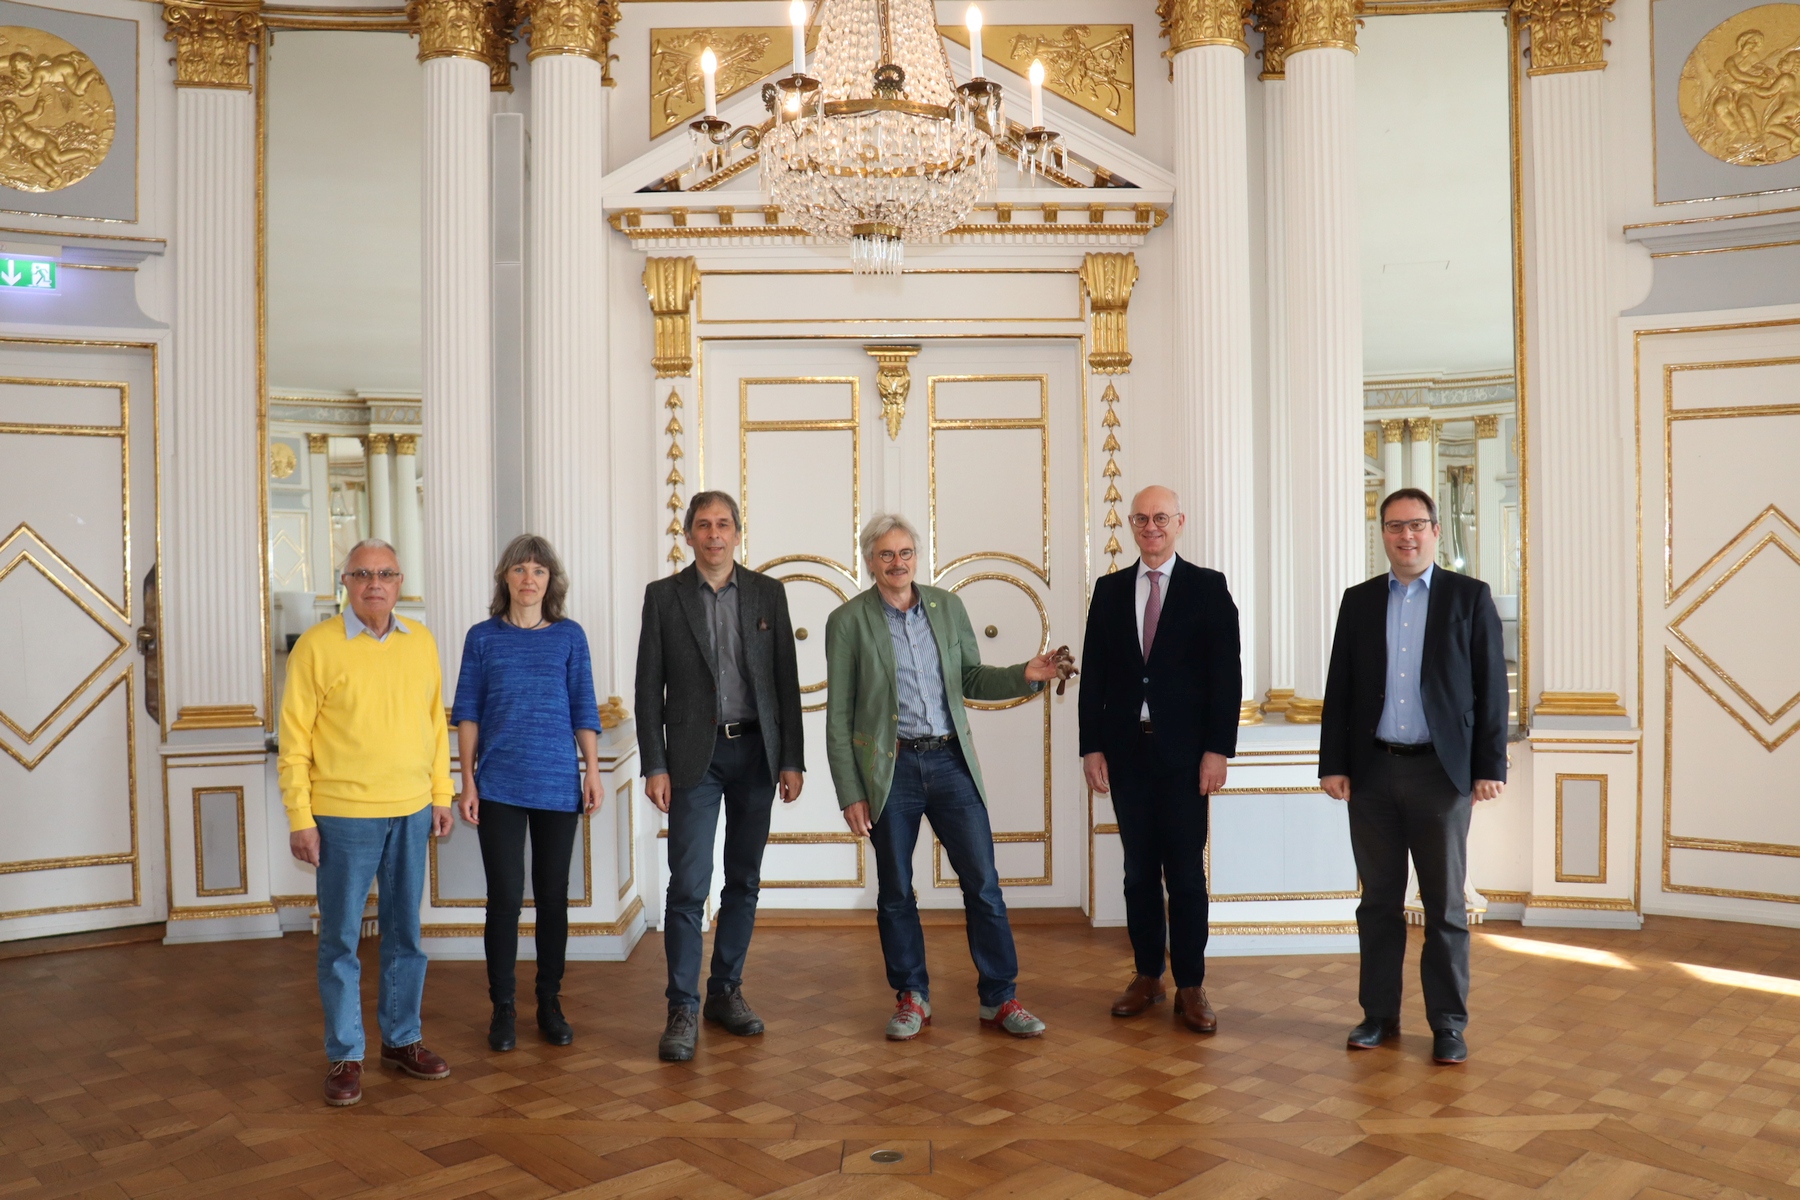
878, 145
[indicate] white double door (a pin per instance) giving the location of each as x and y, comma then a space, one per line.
988, 465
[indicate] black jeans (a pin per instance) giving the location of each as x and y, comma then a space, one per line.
738, 781
1162, 829
503, 828
1408, 804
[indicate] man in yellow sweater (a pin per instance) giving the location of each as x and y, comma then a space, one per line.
365, 776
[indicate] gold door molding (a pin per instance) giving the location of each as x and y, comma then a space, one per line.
1563, 875
1041, 423
850, 423
243, 858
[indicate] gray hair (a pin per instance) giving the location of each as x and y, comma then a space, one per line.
367, 544
878, 527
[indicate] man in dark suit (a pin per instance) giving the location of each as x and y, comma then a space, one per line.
718, 698
1160, 697
1414, 725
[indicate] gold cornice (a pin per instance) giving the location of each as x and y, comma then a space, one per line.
1303, 710
459, 29
1579, 704
212, 42
1565, 34
217, 716
583, 27
671, 284
1269, 18
1320, 25
1191, 23
1108, 280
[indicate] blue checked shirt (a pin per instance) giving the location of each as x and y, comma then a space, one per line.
919, 672
1403, 713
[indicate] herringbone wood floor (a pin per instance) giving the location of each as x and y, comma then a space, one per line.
151, 1071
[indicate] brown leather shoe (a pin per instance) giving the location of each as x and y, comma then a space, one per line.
343, 1083
1192, 1010
415, 1060
1142, 992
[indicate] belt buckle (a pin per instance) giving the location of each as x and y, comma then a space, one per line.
732, 730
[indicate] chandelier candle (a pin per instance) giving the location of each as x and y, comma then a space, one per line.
1037, 94
709, 67
974, 20
797, 14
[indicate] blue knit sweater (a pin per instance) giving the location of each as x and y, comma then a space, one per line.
529, 690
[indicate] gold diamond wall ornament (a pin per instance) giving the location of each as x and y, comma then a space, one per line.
1746, 628
57, 637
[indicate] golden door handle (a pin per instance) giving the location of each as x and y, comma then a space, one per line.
992, 631
800, 634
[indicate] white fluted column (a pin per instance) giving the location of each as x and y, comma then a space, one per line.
457, 406
1423, 452
1490, 464
378, 449
1212, 304
1393, 456
1324, 332
1280, 606
1579, 569
565, 270
212, 574
408, 518
318, 486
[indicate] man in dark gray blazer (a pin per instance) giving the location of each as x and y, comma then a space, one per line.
718, 699
1414, 728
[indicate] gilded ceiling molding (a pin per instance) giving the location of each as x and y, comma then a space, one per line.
583, 27
1190, 23
1269, 18
1108, 280
671, 284
893, 380
1320, 25
212, 42
1565, 34
474, 29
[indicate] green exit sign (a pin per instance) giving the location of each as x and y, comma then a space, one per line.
23, 273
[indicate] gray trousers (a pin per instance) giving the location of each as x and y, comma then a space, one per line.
1408, 805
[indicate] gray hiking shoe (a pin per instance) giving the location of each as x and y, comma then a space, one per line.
731, 1010
678, 1038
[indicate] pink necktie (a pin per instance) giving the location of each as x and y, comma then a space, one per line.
1152, 612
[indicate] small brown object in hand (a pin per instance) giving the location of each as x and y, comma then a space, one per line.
1065, 667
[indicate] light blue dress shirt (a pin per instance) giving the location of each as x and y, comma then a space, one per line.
919, 672
1403, 713
353, 625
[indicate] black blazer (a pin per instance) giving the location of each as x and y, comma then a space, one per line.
677, 679
1194, 681
1462, 681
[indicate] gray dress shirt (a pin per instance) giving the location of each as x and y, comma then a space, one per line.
919, 671
1403, 712
736, 701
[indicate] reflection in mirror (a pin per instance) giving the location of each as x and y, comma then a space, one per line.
343, 309
1440, 396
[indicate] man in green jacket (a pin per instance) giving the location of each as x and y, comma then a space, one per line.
901, 657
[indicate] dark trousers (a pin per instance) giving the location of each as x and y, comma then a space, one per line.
739, 781
1162, 829
1408, 805
936, 785
503, 830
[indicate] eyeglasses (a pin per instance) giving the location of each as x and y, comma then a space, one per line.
365, 576
886, 557
1416, 525
1161, 520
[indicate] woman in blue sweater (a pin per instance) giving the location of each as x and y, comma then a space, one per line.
524, 703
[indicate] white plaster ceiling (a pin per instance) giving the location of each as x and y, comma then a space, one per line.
1434, 154
345, 113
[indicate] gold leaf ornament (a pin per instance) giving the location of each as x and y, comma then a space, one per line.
1739, 92
1566, 35
56, 113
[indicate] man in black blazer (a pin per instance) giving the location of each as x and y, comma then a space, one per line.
718, 699
1160, 698
1414, 725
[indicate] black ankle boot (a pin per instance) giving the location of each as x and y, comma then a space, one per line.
501, 1032
556, 1031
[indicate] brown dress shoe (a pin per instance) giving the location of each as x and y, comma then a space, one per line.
415, 1060
343, 1083
1142, 992
1192, 1010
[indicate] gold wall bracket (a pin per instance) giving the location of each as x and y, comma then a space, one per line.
1108, 279
672, 284
893, 380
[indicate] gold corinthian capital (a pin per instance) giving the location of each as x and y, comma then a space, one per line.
1190, 23
1565, 34
1108, 280
212, 42
583, 27
1321, 24
458, 29
1269, 17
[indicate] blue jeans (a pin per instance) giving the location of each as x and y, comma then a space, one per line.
739, 782
353, 853
936, 784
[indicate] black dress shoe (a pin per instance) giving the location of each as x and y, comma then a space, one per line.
732, 1011
551, 1024
678, 1037
1372, 1032
1448, 1047
501, 1034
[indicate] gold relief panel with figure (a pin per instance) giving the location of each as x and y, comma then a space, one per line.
1088, 65
1740, 88
57, 117
746, 54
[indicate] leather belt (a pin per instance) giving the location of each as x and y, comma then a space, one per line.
1147, 726
738, 729
1405, 749
926, 743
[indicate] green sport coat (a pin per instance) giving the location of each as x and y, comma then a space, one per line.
862, 702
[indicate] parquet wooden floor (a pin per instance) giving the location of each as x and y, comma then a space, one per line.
1600, 1067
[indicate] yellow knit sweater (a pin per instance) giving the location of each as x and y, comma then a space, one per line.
362, 726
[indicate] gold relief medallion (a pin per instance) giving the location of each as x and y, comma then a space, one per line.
56, 112
282, 460
1740, 89
677, 91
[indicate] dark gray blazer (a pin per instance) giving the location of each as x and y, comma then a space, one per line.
677, 677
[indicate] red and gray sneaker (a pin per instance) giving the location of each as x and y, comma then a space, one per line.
911, 1015
1012, 1018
